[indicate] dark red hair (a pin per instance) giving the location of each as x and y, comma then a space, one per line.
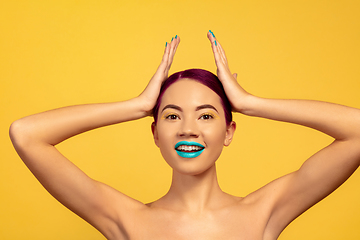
204, 77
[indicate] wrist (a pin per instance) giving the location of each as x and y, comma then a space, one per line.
144, 105
247, 105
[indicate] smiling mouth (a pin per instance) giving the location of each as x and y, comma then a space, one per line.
189, 149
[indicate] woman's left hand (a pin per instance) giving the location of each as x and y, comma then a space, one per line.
235, 93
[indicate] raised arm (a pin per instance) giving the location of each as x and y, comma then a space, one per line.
34, 138
291, 195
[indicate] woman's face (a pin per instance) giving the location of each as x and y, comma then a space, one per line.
191, 129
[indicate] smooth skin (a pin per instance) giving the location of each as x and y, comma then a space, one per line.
195, 207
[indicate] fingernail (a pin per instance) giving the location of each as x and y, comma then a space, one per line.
176, 37
172, 39
213, 34
166, 44
215, 43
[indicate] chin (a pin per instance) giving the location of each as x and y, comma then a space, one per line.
191, 166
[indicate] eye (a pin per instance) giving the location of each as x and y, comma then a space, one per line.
172, 117
206, 116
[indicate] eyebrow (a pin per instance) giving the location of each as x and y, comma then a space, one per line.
197, 108
172, 106
206, 106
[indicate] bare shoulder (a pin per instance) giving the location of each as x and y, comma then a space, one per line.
244, 217
238, 216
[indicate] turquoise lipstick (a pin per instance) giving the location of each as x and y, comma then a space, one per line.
187, 149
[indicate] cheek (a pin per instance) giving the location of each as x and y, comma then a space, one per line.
166, 146
165, 137
215, 133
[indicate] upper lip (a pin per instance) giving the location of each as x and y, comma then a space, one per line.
187, 143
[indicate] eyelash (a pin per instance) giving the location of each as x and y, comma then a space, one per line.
211, 116
169, 116
173, 116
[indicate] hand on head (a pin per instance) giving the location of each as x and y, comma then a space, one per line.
235, 93
152, 90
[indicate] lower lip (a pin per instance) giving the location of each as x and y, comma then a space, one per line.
189, 154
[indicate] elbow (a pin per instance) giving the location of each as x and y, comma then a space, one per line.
19, 133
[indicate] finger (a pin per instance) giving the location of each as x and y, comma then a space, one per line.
215, 47
212, 38
173, 47
165, 58
168, 54
235, 75
166, 46
209, 35
222, 53
175, 44
220, 56
218, 47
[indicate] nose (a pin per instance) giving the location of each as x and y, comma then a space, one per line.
189, 128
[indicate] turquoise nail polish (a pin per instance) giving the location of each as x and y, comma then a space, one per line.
215, 43
172, 39
176, 37
213, 34
166, 44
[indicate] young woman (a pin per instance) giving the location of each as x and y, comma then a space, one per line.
190, 130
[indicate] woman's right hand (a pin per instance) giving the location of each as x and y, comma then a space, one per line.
150, 95
34, 137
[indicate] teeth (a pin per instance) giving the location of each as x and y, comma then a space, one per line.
189, 148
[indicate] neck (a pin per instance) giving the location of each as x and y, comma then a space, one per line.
195, 192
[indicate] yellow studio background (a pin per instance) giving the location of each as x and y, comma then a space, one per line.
59, 53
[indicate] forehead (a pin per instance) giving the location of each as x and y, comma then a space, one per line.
190, 93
